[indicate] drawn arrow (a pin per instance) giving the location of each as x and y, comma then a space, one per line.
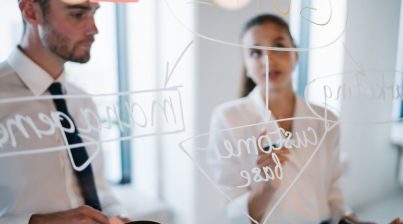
168, 73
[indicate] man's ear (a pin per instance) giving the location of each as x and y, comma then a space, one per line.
31, 12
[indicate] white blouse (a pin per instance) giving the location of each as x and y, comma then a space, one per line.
313, 198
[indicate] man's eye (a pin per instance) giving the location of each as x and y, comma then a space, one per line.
77, 15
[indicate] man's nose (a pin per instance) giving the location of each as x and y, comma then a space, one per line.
91, 28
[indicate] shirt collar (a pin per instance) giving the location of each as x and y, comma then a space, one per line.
33, 76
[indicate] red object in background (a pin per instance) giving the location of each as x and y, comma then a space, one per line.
116, 1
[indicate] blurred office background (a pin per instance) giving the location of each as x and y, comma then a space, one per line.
153, 177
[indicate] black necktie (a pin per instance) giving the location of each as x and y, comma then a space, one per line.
85, 177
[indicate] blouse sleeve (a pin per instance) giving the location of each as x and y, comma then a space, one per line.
226, 170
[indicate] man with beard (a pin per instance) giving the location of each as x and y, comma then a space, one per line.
43, 187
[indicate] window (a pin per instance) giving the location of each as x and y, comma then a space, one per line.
143, 69
10, 28
399, 67
329, 60
300, 29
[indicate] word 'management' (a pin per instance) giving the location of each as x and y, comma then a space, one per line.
142, 117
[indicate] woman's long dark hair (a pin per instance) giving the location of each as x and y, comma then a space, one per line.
247, 84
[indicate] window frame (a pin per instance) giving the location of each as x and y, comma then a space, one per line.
123, 86
304, 38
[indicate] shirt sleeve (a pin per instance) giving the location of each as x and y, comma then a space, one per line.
110, 205
226, 171
15, 219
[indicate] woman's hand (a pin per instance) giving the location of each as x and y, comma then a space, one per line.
261, 194
273, 160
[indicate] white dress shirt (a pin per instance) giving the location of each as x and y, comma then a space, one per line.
315, 197
43, 182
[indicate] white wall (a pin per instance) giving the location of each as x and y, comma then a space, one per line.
176, 169
371, 37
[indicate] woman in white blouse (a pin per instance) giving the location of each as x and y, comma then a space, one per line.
258, 182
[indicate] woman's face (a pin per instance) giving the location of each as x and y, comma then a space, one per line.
281, 63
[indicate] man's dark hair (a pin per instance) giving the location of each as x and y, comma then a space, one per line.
44, 4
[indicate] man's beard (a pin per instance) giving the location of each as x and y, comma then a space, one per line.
58, 43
